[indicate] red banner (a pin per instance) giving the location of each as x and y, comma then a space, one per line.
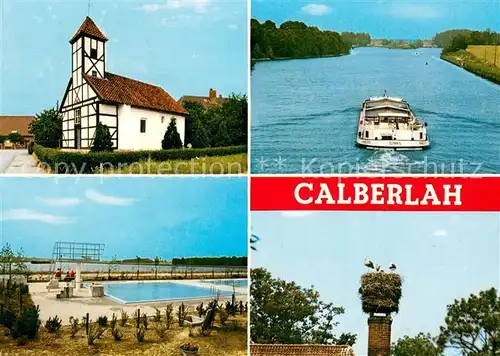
417, 193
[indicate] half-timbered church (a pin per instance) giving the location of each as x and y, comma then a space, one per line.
136, 113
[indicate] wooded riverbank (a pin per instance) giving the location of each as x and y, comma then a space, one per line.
474, 65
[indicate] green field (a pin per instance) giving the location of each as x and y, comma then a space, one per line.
486, 53
473, 64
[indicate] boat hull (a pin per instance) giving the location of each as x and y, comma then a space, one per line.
388, 123
396, 145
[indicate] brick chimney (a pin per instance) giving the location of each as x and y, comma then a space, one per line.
212, 95
379, 335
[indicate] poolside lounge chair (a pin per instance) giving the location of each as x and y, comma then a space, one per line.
197, 322
53, 285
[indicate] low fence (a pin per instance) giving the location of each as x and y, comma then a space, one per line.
146, 275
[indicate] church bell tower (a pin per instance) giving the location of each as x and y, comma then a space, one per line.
89, 52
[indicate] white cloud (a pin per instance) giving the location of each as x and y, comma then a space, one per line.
296, 214
440, 233
316, 9
176, 20
59, 201
99, 198
38, 19
413, 11
25, 214
199, 6
232, 26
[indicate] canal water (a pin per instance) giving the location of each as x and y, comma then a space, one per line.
305, 112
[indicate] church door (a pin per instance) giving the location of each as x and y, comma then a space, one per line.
78, 136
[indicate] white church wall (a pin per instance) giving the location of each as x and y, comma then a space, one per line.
107, 109
129, 124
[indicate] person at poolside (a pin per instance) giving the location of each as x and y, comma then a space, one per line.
72, 273
58, 273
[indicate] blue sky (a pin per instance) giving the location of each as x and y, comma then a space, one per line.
168, 217
184, 46
384, 18
440, 256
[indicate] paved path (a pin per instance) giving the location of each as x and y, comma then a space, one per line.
18, 162
82, 303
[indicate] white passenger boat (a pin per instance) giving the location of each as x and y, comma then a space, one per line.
388, 123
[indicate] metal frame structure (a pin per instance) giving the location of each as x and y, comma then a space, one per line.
77, 251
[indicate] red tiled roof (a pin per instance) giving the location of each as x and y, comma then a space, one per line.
88, 27
15, 123
121, 90
300, 350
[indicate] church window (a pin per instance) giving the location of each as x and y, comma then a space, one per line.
143, 125
93, 53
78, 116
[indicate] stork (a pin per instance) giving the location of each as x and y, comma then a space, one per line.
253, 240
377, 268
392, 267
368, 263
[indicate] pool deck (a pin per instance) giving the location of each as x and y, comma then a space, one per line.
82, 303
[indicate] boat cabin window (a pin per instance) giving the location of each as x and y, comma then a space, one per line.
359, 134
391, 120
421, 135
366, 134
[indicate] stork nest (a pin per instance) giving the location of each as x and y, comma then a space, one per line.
380, 292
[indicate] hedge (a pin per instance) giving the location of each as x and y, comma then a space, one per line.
68, 162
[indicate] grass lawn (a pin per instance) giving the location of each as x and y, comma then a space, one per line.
486, 53
473, 64
231, 164
229, 339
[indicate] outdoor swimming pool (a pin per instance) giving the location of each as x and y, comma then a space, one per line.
156, 291
229, 282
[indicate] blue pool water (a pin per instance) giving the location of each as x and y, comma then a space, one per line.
156, 291
230, 282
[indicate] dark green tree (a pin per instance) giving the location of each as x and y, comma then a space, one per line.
422, 344
356, 39
294, 39
472, 325
234, 261
303, 318
419, 43
196, 133
15, 137
11, 263
234, 111
172, 139
47, 128
459, 42
157, 263
7, 260
102, 140
222, 137
219, 125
